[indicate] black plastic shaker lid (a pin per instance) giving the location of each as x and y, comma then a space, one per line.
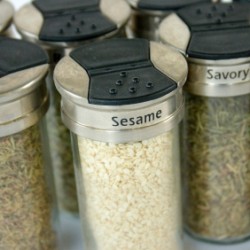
17, 55
123, 71
216, 31
164, 5
71, 20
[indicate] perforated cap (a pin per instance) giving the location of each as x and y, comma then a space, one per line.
210, 31
66, 21
6, 14
120, 78
215, 38
163, 5
123, 71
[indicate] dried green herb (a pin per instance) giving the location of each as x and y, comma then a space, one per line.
61, 155
25, 203
217, 167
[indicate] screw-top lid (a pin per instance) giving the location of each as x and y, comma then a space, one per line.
23, 97
213, 35
6, 13
65, 22
118, 86
163, 5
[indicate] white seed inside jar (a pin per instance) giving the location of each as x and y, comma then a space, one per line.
131, 194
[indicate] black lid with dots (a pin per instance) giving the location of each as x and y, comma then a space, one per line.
17, 55
120, 78
164, 5
72, 21
218, 31
209, 31
121, 72
215, 39
68, 21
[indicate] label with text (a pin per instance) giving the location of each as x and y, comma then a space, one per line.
225, 75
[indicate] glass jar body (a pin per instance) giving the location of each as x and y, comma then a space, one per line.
129, 194
60, 153
216, 171
25, 195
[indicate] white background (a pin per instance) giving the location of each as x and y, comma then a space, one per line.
190, 244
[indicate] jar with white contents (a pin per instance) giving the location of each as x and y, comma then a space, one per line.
122, 101
60, 26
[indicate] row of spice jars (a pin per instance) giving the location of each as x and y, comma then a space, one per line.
120, 99
133, 113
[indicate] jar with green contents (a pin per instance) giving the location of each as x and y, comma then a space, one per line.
25, 190
216, 133
122, 101
59, 26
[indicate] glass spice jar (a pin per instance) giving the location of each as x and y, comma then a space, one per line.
6, 14
25, 194
60, 26
216, 130
122, 101
147, 15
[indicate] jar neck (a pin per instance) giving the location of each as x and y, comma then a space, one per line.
124, 124
219, 78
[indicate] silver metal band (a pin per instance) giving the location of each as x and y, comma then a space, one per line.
218, 79
23, 99
97, 125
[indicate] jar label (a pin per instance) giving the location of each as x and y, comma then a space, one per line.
137, 120
129, 118
228, 74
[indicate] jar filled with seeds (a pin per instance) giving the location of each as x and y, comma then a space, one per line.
216, 133
6, 14
25, 191
147, 15
59, 26
122, 101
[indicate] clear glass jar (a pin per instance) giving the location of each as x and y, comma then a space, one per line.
25, 197
130, 193
26, 194
82, 22
215, 135
125, 145
217, 162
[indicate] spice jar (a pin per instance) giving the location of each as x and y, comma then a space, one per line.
147, 15
60, 26
26, 203
216, 134
6, 13
122, 101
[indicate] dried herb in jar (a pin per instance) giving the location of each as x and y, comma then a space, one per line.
131, 198
25, 218
217, 166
